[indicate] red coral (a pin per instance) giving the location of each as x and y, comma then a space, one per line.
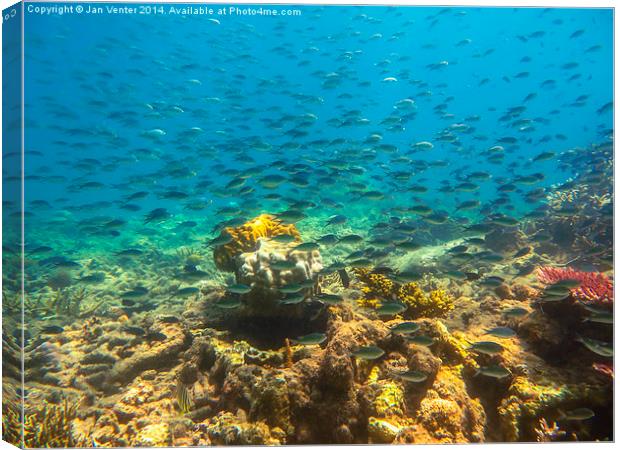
595, 287
604, 368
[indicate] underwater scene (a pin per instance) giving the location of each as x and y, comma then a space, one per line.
303, 224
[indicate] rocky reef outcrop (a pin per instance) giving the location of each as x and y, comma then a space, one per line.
233, 241
276, 270
272, 268
193, 373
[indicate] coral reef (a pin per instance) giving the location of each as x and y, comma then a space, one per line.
227, 429
594, 287
526, 403
154, 435
379, 288
505, 240
448, 413
549, 433
49, 426
578, 215
451, 347
246, 237
11, 416
437, 303
171, 340
235, 393
353, 225
185, 373
259, 269
66, 303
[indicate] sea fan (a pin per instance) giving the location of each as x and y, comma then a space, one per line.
595, 287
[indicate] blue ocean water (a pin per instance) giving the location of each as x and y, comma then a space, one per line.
89, 79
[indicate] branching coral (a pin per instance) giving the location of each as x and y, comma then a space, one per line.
605, 369
11, 302
549, 433
582, 194
33, 305
69, 304
436, 303
376, 284
368, 302
379, 288
52, 426
595, 287
11, 423
245, 238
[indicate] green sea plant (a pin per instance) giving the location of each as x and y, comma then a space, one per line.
11, 302
66, 303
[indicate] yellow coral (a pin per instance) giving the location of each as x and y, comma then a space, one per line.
368, 302
520, 411
390, 401
419, 304
154, 435
373, 376
453, 348
448, 413
381, 431
442, 300
436, 303
11, 424
378, 284
442, 417
245, 238
52, 426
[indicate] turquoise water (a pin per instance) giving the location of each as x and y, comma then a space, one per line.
151, 132
490, 89
89, 81
96, 83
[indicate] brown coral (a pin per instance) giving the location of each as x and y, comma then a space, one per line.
246, 236
527, 402
227, 429
448, 413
